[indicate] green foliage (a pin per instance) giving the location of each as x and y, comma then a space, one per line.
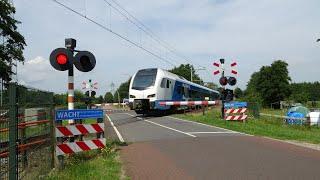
100, 99
94, 164
123, 91
238, 93
271, 84
29, 97
184, 70
12, 48
303, 92
78, 95
108, 97
60, 99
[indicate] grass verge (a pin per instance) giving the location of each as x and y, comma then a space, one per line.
96, 164
264, 126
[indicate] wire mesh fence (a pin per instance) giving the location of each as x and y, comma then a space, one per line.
26, 133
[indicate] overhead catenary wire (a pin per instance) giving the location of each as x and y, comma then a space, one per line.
139, 25
151, 34
147, 30
113, 32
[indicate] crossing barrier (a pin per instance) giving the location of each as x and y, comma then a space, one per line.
74, 131
79, 146
79, 129
186, 103
235, 112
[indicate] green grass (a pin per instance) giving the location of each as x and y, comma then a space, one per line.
264, 126
280, 112
97, 164
84, 121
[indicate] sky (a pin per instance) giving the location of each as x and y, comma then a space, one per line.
254, 33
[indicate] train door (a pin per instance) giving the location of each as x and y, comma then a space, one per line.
186, 93
166, 89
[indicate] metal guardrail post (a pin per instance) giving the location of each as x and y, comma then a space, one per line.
52, 132
13, 132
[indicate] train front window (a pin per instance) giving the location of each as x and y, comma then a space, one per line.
144, 79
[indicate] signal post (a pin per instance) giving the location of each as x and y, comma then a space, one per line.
63, 59
227, 94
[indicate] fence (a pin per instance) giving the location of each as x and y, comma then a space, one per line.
26, 127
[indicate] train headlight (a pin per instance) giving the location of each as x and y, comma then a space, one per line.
151, 95
132, 96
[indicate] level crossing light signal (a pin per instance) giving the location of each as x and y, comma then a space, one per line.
223, 81
93, 93
62, 59
232, 81
84, 61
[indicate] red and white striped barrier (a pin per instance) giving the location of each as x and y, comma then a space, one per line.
236, 118
238, 114
186, 103
236, 111
79, 129
74, 147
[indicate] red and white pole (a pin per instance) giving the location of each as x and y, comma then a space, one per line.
70, 91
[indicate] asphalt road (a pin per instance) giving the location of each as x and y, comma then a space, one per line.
170, 148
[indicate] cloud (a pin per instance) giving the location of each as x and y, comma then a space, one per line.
254, 33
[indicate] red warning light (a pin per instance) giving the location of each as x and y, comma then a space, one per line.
62, 59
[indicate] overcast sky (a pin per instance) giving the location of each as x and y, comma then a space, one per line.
252, 32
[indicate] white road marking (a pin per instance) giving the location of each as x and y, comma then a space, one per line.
115, 129
215, 132
170, 128
227, 130
163, 126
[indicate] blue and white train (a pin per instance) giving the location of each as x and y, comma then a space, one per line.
148, 87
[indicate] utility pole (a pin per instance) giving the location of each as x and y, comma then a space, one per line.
191, 72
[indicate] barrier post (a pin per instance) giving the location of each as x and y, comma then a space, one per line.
203, 110
52, 132
59, 140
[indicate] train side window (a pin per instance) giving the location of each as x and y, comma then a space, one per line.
168, 83
163, 83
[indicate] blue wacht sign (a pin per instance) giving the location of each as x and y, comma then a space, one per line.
235, 105
78, 114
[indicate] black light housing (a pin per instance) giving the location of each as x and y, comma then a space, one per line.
84, 61
223, 80
61, 59
232, 81
93, 93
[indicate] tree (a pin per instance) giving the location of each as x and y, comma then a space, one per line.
123, 91
238, 93
271, 84
78, 96
108, 97
184, 70
303, 92
12, 48
60, 99
100, 99
211, 85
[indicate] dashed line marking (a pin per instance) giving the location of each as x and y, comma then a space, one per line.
213, 132
176, 130
170, 128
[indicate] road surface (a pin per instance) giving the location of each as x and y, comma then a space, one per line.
171, 148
